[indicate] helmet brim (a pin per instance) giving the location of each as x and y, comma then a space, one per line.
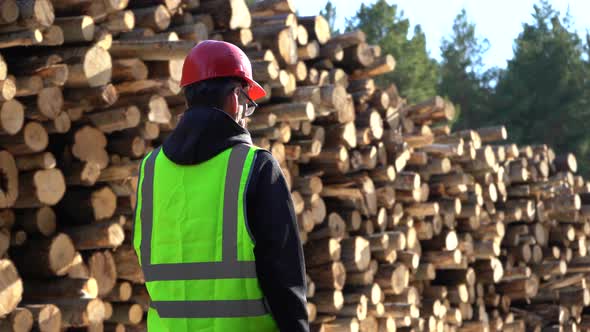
255, 91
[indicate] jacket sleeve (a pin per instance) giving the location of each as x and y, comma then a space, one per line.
279, 257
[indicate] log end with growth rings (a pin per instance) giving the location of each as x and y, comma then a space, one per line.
50, 186
35, 136
11, 287
8, 12
97, 66
61, 254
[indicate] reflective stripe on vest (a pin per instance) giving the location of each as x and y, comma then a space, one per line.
229, 267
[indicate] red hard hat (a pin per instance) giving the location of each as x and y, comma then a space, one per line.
212, 58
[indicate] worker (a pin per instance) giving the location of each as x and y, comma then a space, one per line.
215, 229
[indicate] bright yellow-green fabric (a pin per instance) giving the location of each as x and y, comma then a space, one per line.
188, 227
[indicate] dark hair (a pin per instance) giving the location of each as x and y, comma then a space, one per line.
211, 92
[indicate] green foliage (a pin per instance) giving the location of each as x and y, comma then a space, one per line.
462, 79
329, 12
416, 74
544, 94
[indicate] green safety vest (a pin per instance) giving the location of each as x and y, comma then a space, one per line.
194, 246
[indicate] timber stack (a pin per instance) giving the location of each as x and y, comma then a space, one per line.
406, 224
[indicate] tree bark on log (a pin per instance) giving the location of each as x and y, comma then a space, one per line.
45, 257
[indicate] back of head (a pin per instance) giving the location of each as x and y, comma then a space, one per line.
210, 93
217, 63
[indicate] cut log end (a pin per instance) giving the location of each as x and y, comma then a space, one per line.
11, 285
50, 186
8, 12
61, 254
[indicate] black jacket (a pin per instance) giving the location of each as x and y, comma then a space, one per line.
202, 134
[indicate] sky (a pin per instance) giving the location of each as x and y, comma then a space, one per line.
500, 21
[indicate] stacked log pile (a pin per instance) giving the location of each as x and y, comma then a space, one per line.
406, 224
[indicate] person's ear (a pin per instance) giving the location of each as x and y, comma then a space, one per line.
231, 104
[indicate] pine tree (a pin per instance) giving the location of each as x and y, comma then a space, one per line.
544, 95
463, 79
416, 73
329, 12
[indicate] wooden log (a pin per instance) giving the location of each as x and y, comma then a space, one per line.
348, 39
519, 289
89, 145
3, 66
20, 320
11, 117
126, 313
288, 20
28, 85
322, 251
80, 312
151, 50
299, 70
265, 70
393, 277
82, 174
121, 21
317, 27
46, 317
7, 218
120, 172
309, 52
291, 111
47, 104
286, 90
87, 66
83, 205
116, 119
156, 17
280, 40
31, 15
153, 106
54, 75
333, 97
42, 187
129, 70
342, 134
53, 36
76, 28
45, 257
378, 67
356, 253
333, 226
7, 89
171, 69
127, 264
227, 14
95, 236
358, 56
101, 266
12, 287
272, 7
196, 32
120, 293
241, 37
9, 11
38, 290
91, 98
38, 221
330, 302
133, 146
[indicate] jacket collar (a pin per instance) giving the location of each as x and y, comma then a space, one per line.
201, 134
